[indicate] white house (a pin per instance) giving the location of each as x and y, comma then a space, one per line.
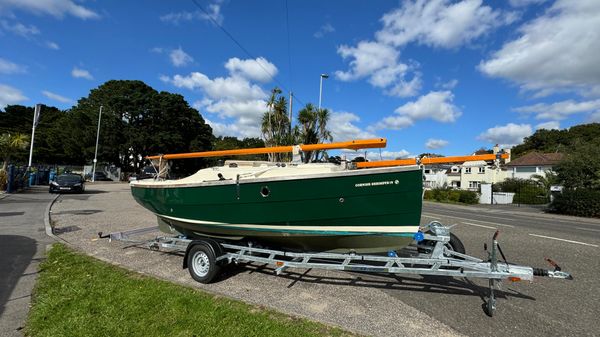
474, 173
533, 163
434, 177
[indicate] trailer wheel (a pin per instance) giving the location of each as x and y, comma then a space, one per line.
455, 244
201, 262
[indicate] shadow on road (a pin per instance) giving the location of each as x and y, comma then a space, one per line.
16, 253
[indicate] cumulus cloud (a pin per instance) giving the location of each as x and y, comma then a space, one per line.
343, 127
8, 67
213, 14
560, 110
551, 125
56, 97
379, 63
180, 58
524, 3
436, 105
235, 105
81, 73
376, 155
20, 29
324, 30
440, 23
10, 95
507, 135
56, 8
435, 143
557, 51
258, 69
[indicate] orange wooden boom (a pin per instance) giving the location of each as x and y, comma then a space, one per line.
353, 144
430, 161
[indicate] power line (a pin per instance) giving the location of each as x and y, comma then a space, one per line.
246, 51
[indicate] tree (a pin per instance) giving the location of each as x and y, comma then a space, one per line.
275, 124
312, 129
565, 140
230, 143
11, 144
581, 168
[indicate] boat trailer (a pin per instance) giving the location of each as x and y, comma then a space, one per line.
435, 255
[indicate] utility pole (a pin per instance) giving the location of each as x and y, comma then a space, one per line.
36, 120
96, 152
321, 88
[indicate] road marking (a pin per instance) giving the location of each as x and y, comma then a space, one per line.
478, 225
456, 217
588, 229
570, 241
432, 217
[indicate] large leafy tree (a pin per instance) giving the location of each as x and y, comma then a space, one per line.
581, 168
136, 121
565, 140
11, 145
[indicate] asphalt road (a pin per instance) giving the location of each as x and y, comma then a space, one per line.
386, 305
22, 247
545, 307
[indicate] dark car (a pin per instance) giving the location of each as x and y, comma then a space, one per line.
148, 172
68, 183
101, 176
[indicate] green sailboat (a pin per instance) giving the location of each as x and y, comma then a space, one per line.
310, 207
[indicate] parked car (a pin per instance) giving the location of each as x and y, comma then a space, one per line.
148, 172
68, 183
101, 176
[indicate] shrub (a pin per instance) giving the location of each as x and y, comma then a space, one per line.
451, 196
468, 197
580, 202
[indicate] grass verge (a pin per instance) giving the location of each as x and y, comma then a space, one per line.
77, 295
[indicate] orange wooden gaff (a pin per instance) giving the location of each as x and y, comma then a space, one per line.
430, 161
353, 144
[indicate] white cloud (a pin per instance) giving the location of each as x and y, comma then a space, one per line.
19, 28
343, 127
10, 95
324, 30
213, 9
446, 85
236, 103
52, 45
560, 110
524, 3
180, 58
381, 65
594, 118
557, 51
8, 67
81, 73
435, 143
56, 8
436, 105
507, 135
258, 69
56, 97
440, 23
375, 155
551, 125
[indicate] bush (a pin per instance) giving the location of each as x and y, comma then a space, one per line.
451, 196
580, 202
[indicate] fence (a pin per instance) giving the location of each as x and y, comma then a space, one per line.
526, 192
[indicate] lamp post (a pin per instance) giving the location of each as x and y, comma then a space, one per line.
96, 152
321, 88
36, 120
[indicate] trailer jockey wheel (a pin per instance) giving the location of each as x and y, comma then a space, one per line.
454, 244
201, 262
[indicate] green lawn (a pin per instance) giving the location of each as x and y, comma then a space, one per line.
77, 295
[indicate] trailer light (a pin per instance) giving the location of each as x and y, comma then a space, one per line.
279, 264
418, 236
514, 279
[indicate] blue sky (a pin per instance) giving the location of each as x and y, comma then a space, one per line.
431, 76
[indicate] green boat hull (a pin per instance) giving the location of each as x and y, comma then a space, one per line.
364, 211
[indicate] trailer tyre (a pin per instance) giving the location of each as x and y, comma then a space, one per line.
455, 244
201, 262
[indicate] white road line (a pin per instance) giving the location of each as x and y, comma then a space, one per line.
478, 225
457, 217
570, 241
588, 229
431, 217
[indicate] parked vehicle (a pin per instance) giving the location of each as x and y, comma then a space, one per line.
68, 183
101, 176
148, 172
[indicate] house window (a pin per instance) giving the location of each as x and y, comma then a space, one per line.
525, 169
474, 184
455, 170
467, 170
427, 171
482, 169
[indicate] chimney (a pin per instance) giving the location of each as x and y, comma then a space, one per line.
507, 160
495, 149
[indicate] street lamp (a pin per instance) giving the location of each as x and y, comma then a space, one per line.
96, 152
321, 88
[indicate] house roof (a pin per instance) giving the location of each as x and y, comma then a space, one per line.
537, 159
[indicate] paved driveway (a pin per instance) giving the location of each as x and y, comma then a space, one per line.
22, 246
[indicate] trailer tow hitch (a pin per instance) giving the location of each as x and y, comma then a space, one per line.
556, 273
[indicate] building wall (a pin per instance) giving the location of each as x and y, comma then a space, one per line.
471, 179
525, 172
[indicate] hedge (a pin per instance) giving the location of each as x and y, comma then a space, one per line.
580, 202
451, 196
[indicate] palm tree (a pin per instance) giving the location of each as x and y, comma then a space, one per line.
275, 124
9, 144
547, 180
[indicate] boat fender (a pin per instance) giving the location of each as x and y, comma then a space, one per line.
213, 245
